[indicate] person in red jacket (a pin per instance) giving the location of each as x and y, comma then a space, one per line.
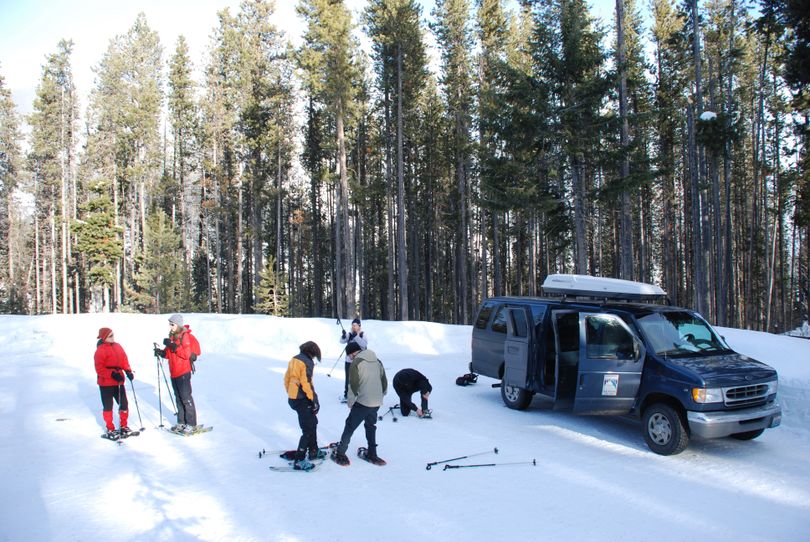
178, 352
111, 366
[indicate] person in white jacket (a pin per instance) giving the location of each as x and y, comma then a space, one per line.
358, 336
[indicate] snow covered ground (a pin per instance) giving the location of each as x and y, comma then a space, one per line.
595, 479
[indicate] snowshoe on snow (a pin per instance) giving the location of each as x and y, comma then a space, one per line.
339, 458
303, 464
111, 435
190, 430
362, 453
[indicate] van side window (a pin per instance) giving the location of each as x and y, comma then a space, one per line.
607, 339
499, 323
483, 317
519, 320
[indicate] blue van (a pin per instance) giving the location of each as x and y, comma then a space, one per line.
610, 346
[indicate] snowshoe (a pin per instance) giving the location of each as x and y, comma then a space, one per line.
289, 455
427, 414
317, 453
362, 453
303, 464
111, 435
339, 458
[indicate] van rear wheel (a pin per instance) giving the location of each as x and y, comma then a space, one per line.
664, 430
515, 397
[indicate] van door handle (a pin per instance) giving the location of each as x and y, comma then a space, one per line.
511, 349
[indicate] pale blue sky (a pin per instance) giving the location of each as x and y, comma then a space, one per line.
31, 29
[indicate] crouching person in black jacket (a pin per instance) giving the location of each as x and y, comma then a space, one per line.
408, 381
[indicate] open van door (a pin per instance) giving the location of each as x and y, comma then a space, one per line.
518, 350
518, 347
611, 359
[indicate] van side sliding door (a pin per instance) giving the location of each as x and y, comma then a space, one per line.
611, 359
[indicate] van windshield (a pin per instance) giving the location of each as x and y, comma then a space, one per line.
680, 334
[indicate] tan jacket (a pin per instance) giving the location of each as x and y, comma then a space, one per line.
367, 381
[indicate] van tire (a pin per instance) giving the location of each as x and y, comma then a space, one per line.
664, 430
515, 397
748, 435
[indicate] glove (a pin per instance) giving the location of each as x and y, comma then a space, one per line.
130, 375
117, 376
316, 406
193, 357
173, 347
167, 341
344, 334
159, 353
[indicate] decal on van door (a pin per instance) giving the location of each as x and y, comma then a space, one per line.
610, 385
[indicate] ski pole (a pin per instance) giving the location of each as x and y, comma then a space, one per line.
340, 323
329, 374
137, 408
168, 388
532, 462
462, 457
391, 410
160, 401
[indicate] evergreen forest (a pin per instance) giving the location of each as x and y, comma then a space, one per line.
403, 165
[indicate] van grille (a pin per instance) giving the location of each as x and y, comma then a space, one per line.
745, 395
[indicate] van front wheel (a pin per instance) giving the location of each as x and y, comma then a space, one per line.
664, 430
515, 397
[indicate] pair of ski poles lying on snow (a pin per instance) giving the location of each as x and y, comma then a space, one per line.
493, 451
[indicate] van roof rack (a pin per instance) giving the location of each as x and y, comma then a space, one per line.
601, 288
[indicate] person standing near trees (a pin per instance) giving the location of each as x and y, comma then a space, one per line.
358, 336
304, 401
179, 354
367, 386
111, 365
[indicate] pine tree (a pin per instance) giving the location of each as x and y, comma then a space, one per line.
123, 143
400, 63
99, 239
272, 293
249, 141
331, 74
183, 119
11, 260
455, 40
161, 281
51, 159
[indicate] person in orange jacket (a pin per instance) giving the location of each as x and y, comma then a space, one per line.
111, 365
304, 401
178, 352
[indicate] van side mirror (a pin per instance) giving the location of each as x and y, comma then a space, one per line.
638, 349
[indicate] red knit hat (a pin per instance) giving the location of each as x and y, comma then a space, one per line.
104, 332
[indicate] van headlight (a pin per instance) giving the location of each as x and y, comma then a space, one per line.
707, 395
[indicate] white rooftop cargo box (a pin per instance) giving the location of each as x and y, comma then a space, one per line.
584, 285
